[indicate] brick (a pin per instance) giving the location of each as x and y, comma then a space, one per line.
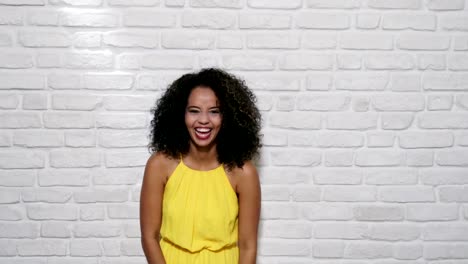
121, 121
89, 19
74, 158
368, 21
278, 175
443, 120
64, 81
5, 39
38, 138
116, 176
375, 157
313, 40
44, 39
80, 138
209, 60
264, 21
56, 229
452, 157
265, 102
9, 101
445, 81
275, 193
128, 103
394, 4
23, 2
393, 232
412, 21
295, 158
168, 61
92, 212
441, 5
415, 139
349, 194
101, 195
302, 139
339, 230
75, 102
454, 22
285, 103
431, 61
333, 4
405, 194
208, 19
123, 211
111, 248
296, 120
5, 139
35, 101
380, 139
436, 251
217, 3
445, 232
175, 3
361, 81
249, 62
52, 212
443, 176
46, 195
407, 251
366, 41
108, 81
188, 40
11, 213
304, 61
11, 16
457, 62
149, 19
419, 158
279, 210
338, 158
431, 212
460, 42
68, 120
16, 61
230, 40
284, 248
314, 20
49, 60
85, 248
388, 176
97, 230
42, 248
43, 18
306, 194
87, 40
328, 249
378, 213
22, 159
123, 39
274, 4
273, 40
396, 121
453, 194
17, 178
63, 177
286, 229
274, 82
9, 196
131, 247
91, 3
423, 41
462, 101
351, 121
275, 138
394, 61
398, 102
349, 61
338, 139
368, 250
23, 81
19, 230
331, 211
155, 82
88, 60
130, 3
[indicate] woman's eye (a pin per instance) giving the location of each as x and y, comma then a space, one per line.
193, 111
214, 111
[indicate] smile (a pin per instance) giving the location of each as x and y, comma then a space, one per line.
203, 132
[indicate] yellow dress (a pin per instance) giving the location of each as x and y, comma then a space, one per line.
199, 218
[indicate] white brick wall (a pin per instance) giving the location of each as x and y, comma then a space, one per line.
365, 123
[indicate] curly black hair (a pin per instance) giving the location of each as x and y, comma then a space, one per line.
238, 139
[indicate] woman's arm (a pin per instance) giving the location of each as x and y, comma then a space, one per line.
151, 197
248, 188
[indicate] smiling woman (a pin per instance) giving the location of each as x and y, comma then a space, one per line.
200, 198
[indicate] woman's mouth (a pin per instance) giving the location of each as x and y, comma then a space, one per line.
202, 132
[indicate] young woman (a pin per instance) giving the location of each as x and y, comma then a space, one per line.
200, 198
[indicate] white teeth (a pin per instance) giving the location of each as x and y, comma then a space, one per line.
203, 130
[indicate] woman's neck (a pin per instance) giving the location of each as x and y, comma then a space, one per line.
202, 158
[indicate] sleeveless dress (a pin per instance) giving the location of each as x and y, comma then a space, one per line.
199, 218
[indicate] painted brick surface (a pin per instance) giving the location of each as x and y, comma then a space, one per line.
365, 123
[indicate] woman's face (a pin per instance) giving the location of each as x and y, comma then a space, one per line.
203, 117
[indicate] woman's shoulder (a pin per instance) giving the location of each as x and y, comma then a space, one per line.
248, 170
162, 163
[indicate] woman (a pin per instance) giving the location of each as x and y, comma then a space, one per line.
200, 198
